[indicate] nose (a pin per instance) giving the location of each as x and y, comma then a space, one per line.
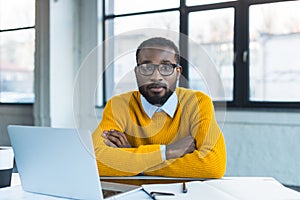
156, 76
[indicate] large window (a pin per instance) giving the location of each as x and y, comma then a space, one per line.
214, 33
17, 44
252, 44
274, 52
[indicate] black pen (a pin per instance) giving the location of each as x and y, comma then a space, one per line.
184, 188
148, 194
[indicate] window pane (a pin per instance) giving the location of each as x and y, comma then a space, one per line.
121, 6
213, 30
204, 2
16, 13
166, 20
17, 66
274, 52
124, 35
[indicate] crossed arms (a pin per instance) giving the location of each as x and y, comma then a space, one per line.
116, 139
197, 150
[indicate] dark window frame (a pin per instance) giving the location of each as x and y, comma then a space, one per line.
241, 81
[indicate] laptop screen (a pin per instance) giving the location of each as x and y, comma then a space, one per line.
56, 161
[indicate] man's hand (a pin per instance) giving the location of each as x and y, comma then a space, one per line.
115, 139
180, 148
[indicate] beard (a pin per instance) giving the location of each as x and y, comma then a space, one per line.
155, 98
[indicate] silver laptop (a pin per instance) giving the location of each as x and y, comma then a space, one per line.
55, 161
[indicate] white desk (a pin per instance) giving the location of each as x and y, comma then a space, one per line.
16, 192
258, 187
121, 184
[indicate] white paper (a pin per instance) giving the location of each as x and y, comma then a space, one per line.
131, 195
258, 189
196, 190
227, 189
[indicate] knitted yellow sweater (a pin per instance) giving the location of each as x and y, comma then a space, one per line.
194, 116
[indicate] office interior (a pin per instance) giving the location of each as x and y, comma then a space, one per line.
262, 135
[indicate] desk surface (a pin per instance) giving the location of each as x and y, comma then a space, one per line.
113, 185
109, 188
15, 179
16, 191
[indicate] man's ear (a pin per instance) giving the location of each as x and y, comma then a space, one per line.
135, 70
136, 73
179, 70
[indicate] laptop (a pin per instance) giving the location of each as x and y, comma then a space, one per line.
56, 161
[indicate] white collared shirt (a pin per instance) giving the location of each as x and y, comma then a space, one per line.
168, 107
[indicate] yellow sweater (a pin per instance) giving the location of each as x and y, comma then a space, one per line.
194, 116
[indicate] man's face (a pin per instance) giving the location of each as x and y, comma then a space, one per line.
157, 88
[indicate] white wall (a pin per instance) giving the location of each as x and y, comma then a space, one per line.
263, 144
73, 34
88, 64
63, 19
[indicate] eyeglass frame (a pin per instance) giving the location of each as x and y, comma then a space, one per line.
156, 66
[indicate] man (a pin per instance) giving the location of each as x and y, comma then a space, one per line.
160, 130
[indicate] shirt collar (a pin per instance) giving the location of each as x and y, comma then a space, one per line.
168, 107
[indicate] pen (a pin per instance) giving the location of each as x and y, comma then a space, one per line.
184, 188
153, 194
150, 195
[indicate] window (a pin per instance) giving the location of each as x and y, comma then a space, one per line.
215, 35
252, 44
120, 53
203, 2
17, 45
117, 7
274, 46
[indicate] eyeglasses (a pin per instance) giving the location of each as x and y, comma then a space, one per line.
147, 69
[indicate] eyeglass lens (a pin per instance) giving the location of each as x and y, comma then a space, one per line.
164, 69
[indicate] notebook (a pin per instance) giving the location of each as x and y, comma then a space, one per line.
56, 161
227, 188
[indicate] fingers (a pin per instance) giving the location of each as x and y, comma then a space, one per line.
116, 138
119, 137
187, 144
181, 147
109, 143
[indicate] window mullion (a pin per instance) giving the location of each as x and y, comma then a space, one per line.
241, 62
183, 44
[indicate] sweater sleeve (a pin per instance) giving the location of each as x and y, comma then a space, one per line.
209, 159
122, 161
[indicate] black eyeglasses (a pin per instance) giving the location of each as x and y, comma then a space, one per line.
147, 69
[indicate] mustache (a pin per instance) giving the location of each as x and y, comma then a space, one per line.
156, 85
